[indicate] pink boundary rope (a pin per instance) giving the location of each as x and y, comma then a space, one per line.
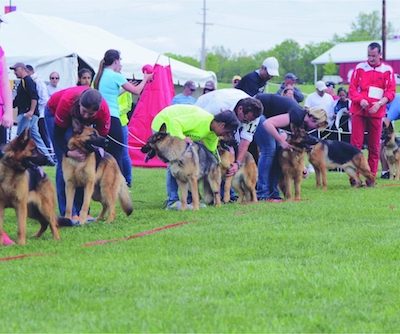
134, 236
101, 242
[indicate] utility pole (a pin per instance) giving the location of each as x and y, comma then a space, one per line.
384, 29
203, 37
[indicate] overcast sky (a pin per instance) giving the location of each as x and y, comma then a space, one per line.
237, 25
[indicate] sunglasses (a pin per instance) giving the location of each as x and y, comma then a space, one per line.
193, 90
54, 78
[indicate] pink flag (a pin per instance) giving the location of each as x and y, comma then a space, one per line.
156, 96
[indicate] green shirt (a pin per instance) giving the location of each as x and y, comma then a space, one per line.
184, 120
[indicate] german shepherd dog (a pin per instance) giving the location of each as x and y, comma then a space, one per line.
291, 161
26, 188
99, 174
188, 163
245, 179
336, 154
391, 150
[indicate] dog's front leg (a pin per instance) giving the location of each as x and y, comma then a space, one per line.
87, 196
183, 189
22, 215
227, 188
195, 192
69, 198
297, 185
288, 191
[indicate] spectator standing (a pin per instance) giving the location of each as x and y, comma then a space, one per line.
6, 119
288, 92
209, 87
52, 86
84, 77
290, 83
235, 80
186, 96
255, 82
321, 99
372, 86
330, 89
43, 98
125, 102
26, 101
109, 81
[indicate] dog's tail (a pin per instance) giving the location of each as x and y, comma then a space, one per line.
125, 198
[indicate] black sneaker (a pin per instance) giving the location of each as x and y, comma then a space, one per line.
385, 175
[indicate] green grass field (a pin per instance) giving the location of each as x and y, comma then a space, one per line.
329, 263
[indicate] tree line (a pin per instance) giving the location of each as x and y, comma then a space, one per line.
292, 57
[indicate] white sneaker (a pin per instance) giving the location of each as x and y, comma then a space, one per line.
178, 206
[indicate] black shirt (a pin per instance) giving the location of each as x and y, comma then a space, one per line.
26, 92
252, 84
277, 105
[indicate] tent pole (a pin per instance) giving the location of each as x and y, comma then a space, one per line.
315, 73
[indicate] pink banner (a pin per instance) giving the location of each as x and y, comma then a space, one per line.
156, 96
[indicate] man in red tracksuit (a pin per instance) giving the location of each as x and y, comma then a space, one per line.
372, 86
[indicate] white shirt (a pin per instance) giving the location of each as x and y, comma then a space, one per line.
226, 99
42, 93
325, 101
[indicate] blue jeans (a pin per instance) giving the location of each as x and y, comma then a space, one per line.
23, 123
126, 159
60, 184
268, 165
172, 188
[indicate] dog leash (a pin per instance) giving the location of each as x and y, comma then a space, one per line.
122, 144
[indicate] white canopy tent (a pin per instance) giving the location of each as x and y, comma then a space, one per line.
54, 44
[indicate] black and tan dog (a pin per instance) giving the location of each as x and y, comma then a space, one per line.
245, 179
329, 154
291, 161
188, 163
99, 174
26, 188
391, 151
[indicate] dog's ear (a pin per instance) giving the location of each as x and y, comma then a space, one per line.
77, 126
23, 139
163, 128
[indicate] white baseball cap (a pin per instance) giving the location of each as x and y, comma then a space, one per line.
272, 66
320, 85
